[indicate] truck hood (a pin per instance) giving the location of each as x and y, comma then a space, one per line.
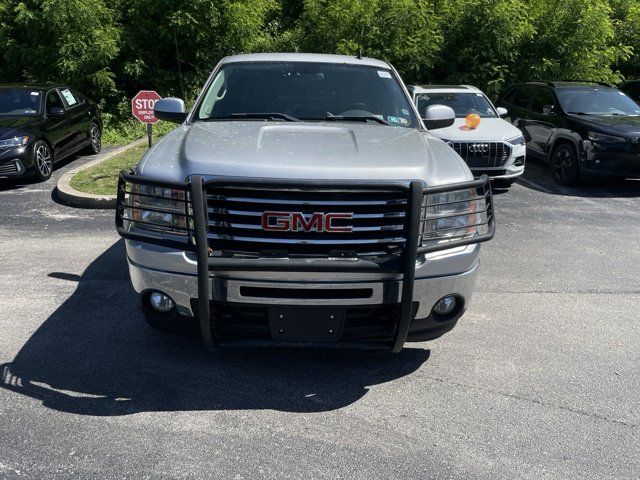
346, 151
489, 130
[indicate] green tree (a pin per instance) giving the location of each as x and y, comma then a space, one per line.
404, 32
71, 41
483, 41
575, 39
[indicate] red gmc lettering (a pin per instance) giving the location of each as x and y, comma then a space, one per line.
276, 221
330, 217
298, 222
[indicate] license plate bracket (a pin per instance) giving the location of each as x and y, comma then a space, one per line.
306, 324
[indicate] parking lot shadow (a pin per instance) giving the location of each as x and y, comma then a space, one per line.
95, 356
537, 176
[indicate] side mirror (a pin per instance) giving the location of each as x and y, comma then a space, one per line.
502, 111
439, 116
54, 111
549, 110
170, 109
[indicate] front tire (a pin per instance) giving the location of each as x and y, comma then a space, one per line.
95, 137
564, 165
42, 161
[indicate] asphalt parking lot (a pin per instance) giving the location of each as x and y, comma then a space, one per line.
539, 380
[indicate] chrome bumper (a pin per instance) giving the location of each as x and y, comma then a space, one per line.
182, 288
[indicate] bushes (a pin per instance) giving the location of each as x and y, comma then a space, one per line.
111, 49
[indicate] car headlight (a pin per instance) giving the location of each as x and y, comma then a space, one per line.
158, 208
460, 213
517, 140
14, 142
603, 138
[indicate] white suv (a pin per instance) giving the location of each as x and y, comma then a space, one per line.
494, 147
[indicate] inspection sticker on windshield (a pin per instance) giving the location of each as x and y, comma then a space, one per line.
384, 74
397, 120
35, 94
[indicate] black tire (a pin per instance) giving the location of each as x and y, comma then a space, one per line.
95, 139
42, 160
564, 165
503, 182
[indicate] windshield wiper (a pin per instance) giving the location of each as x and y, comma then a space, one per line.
578, 113
258, 116
364, 118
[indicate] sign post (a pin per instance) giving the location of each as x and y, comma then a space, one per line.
142, 108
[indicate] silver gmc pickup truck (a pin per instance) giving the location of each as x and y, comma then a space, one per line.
303, 201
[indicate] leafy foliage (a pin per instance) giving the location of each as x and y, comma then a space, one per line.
112, 48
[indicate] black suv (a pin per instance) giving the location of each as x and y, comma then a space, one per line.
579, 128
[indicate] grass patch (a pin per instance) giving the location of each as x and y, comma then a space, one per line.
102, 179
122, 132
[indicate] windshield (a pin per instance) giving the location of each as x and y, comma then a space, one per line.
19, 101
596, 101
306, 91
463, 103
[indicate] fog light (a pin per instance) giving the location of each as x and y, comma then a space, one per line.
445, 305
161, 302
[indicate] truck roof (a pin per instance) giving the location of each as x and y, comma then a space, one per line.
306, 57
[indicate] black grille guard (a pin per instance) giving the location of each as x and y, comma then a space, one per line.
192, 235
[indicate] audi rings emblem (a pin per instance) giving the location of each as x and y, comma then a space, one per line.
479, 148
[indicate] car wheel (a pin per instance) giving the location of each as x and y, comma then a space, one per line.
564, 165
95, 135
42, 160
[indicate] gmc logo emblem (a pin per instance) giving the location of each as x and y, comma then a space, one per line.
299, 222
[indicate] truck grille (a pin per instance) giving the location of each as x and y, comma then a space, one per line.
482, 154
377, 223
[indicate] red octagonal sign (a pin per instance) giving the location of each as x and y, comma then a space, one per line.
142, 106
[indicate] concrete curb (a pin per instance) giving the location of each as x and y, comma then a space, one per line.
89, 200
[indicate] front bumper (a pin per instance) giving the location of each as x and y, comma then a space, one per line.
513, 167
14, 162
246, 293
387, 282
610, 160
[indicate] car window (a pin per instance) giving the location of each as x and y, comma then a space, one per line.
19, 101
521, 97
79, 97
462, 103
69, 98
541, 97
54, 100
589, 100
307, 91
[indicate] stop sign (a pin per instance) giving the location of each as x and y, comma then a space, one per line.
142, 106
